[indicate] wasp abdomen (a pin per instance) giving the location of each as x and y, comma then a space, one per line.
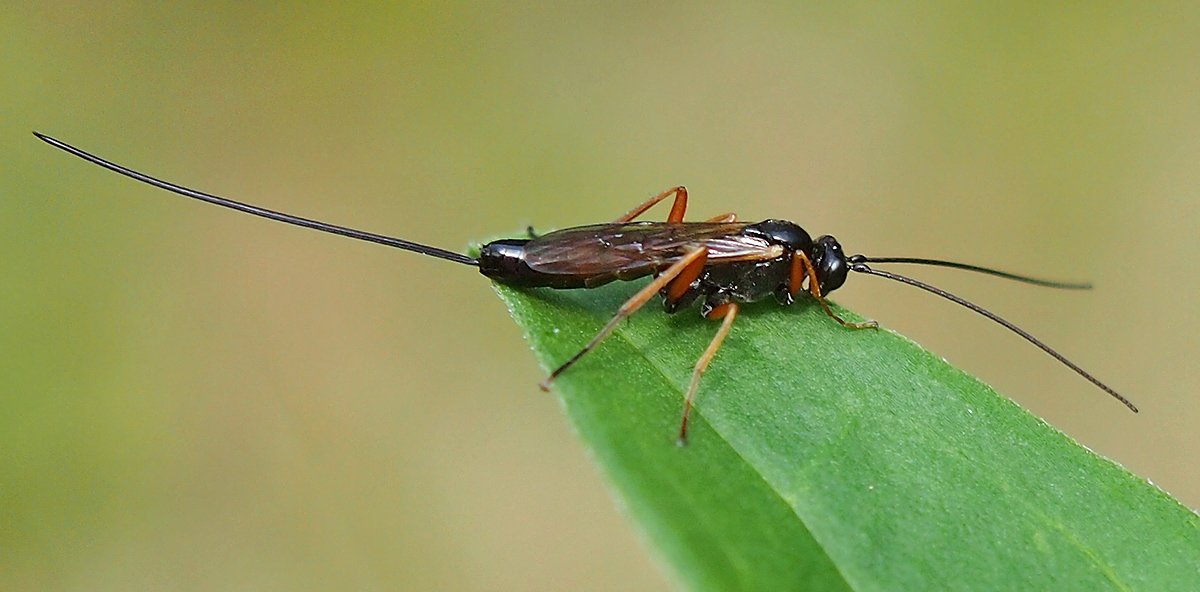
504, 261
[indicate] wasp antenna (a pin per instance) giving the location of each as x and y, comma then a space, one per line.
859, 266
263, 212
968, 267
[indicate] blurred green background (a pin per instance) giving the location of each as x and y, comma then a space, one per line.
194, 399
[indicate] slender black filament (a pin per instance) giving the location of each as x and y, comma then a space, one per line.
863, 268
969, 267
263, 212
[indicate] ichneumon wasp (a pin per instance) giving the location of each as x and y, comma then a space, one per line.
722, 262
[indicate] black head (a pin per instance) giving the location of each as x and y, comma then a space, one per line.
830, 261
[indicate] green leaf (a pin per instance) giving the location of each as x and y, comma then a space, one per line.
828, 459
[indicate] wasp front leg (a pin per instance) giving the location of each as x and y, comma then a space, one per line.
802, 268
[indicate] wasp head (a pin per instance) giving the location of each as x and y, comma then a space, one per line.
830, 262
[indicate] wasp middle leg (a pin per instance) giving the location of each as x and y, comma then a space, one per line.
728, 312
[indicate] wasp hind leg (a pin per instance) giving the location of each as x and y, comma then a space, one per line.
678, 207
681, 291
631, 306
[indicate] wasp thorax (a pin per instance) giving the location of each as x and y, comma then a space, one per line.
782, 232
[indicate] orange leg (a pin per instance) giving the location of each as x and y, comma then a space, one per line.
801, 267
729, 312
677, 208
631, 306
682, 282
728, 217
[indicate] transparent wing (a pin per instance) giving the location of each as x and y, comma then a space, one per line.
640, 248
